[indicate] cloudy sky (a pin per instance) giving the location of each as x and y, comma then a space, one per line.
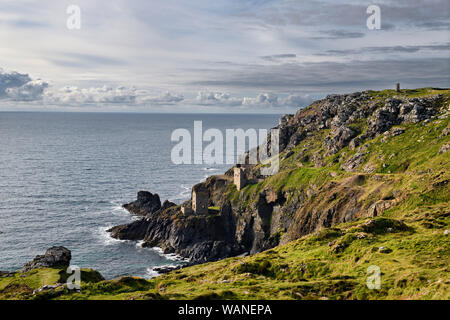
214, 56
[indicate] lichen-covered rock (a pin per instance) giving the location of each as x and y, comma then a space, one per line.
379, 207
444, 148
338, 138
445, 132
353, 162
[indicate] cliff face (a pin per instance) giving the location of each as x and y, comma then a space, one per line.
343, 158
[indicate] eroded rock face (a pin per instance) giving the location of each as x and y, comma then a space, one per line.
53, 257
200, 238
340, 205
337, 112
339, 138
354, 162
146, 203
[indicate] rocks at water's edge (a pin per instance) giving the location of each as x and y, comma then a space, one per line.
166, 269
146, 203
201, 238
53, 257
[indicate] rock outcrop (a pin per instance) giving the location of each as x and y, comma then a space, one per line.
338, 112
277, 215
199, 237
146, 203
53, 257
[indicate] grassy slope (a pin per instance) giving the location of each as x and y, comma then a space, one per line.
333, 262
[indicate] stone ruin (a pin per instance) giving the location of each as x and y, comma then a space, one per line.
186, 209
240, 180
243, 177
200, 199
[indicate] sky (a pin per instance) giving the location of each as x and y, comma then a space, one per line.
263, 56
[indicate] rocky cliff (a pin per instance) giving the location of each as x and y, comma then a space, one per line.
363, 184
342, 158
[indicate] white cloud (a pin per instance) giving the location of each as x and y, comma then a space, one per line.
271, 100
262, 100
20, 87
167, 98
100, 95
109, 95
209, 98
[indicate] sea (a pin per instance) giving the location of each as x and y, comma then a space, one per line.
64, 177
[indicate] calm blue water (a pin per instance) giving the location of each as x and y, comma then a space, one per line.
64, 176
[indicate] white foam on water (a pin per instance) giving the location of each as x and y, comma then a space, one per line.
117, 208
210, 169
106, 237
184, 194
169, 256
139, 244
151, 273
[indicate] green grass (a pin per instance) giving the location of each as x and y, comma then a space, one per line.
21, 286
410, 93
415, 267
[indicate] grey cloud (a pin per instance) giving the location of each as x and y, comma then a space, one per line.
11, 80
338, 14
30, 91
78, 60
277, 57
20, 87
435, 25
339, 34
313, 13
388, 49
31, 24
332, 76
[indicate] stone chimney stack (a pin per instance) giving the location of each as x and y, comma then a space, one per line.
200, 199
397, 87
239, 177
